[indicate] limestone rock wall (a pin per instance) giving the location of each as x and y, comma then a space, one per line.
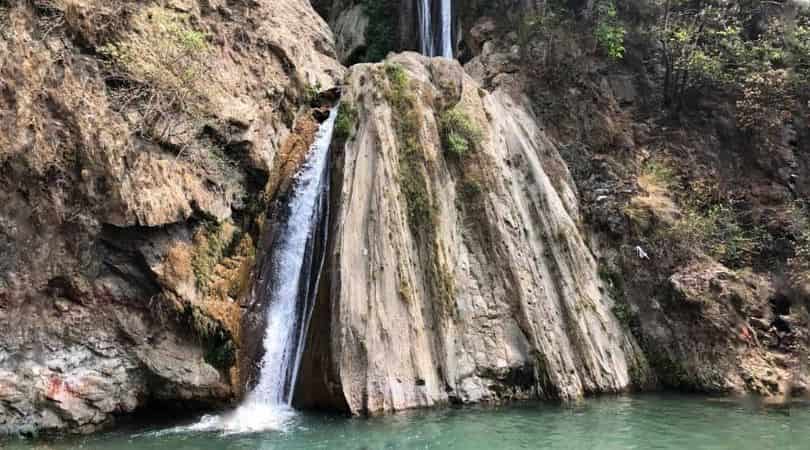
455, 278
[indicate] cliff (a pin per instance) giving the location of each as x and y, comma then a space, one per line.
697, 218
136, 143
546, 217
456, 275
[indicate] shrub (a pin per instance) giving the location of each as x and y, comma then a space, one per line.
346, 121
609, 31
381, 30
716, 230
659, 172
459, 134
765, 103
166, 53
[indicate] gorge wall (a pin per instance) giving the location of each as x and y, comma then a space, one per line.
696, 224
137, 143
525, 223
457, 277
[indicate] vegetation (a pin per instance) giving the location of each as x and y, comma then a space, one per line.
211, 242
699, 220
609, 31
311, 92
716, 229
414, 184
164, 59
346, 121
541, 27
219, 347
381, 31
799, 264
732, 45
459, 134
621, 308
412, 171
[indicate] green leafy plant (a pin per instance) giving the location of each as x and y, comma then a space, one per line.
346, 121
710, 44
459, 134
381, 30
609, 31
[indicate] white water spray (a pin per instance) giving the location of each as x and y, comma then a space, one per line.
267, 407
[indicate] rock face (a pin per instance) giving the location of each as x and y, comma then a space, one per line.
727, 331
350, 31
136, 141
456, 278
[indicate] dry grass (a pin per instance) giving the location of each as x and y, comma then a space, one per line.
654, 204
160, 68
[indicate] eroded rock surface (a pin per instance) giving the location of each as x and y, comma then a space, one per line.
136, 142
456, 278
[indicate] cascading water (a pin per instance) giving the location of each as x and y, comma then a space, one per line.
425, 28
287, 283
440, 44
447, 28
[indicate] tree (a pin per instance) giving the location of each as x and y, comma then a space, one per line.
749, 46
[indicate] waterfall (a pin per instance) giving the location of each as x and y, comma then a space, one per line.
286, 281
429, 44
447, 29
289, 285
425, 28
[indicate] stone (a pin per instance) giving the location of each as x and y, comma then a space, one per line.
497, 298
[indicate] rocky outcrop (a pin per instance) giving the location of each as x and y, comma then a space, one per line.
350, 24
724, 331
700, 255
136, 141
456, 276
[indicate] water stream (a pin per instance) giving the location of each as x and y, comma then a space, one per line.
432, 43
446, 25
288, 285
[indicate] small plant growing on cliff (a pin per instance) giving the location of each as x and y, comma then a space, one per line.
609, 31
346, 121
799, 264
311, 92
210, 244
714, 227
459, 134
412, 172
398, 81
164, 53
